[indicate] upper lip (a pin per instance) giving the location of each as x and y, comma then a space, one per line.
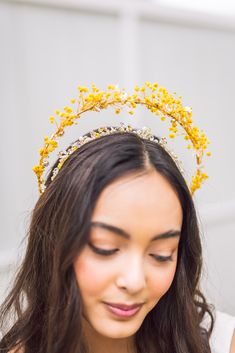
124, 306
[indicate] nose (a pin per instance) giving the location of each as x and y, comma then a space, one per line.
132, 275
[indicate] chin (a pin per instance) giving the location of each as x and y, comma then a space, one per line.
120, 329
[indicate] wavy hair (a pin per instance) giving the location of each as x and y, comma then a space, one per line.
45, 297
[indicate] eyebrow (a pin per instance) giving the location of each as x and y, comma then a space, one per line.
172, 233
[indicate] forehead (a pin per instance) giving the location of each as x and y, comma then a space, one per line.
140, 202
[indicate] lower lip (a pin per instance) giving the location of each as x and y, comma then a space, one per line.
123, 313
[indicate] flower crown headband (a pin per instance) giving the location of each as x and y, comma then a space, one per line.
155, 98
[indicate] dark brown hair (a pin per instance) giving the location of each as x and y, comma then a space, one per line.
45, 296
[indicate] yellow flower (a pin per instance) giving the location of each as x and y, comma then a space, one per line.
43, 152
52, 119
147, 100
53, 143
82, 89
38, 169
161, 104
173, 129
112, 87
133, 104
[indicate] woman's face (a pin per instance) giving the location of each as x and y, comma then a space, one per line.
128, 266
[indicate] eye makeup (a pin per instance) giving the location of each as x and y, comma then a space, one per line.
106, 252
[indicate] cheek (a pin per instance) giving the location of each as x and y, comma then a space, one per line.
160, 281
92, 276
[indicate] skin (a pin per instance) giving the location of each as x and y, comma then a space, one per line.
143, 206
232, 346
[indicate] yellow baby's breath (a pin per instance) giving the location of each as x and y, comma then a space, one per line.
52, 119
154, 97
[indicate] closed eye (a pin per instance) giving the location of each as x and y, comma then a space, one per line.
105, 252
161, 258
102, 251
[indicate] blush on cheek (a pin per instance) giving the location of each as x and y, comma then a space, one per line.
162, 282
90, 276
86, 274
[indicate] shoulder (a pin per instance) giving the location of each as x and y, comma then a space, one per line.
232, 346
222, 339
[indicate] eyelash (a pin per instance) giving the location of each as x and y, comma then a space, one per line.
103, 252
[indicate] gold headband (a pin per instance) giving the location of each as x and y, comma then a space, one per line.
158, 101
144, 133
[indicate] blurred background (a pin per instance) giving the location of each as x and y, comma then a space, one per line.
49, 47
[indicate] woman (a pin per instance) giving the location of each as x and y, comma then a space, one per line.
114, 256
91, 256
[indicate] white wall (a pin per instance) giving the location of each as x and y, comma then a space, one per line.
212, 6
49, 47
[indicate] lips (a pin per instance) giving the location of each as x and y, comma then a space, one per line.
123, 310
124, 306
